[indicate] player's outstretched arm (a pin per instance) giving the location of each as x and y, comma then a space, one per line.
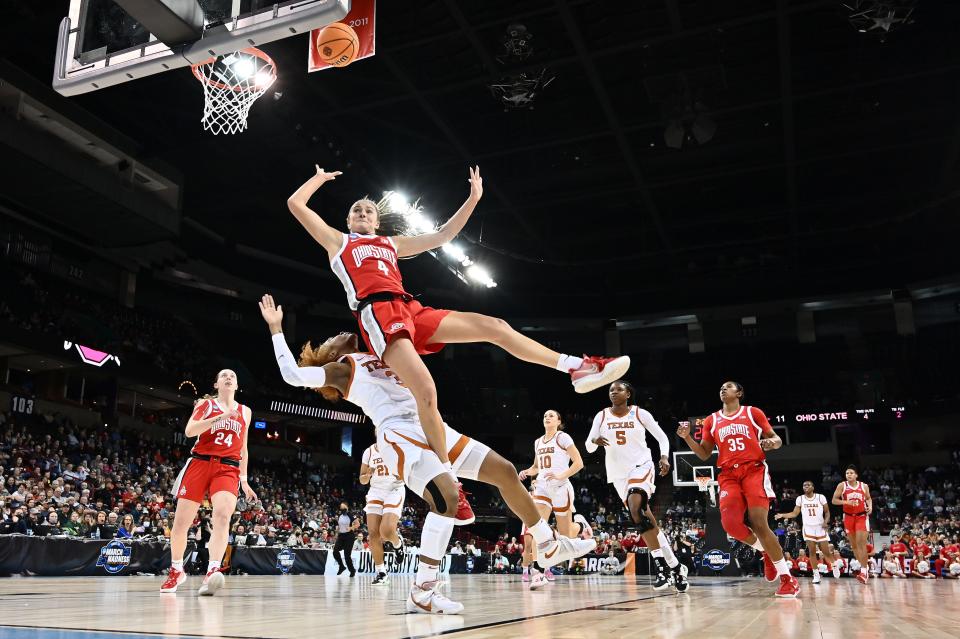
408, 246
789, 515
325, 235
334, 374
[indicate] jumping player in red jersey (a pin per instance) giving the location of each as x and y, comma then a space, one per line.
397, 328
741, 435
854, 496
217, 467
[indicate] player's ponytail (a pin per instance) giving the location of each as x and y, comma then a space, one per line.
310, 356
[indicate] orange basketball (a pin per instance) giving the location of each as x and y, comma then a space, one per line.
338, 44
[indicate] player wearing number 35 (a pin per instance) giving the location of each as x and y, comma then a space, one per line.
741, 434
217, 467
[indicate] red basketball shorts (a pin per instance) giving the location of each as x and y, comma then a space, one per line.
200, 478
382, 322
853, 523
746, 486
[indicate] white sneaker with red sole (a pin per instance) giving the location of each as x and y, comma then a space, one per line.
174, 579
465, 515
595, 372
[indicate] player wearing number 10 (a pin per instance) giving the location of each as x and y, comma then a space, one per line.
217, 467
741, 434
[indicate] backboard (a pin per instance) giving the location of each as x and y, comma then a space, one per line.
100, 43
687, 466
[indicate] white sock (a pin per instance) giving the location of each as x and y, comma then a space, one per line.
657, 553
381, 568
526, 570
782, 568
758, 546
212, 565
541, 532
426, 573
567, 363
177, 565
668, 553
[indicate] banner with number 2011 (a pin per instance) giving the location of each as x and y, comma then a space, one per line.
362, 18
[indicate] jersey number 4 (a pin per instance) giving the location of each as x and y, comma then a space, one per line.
224, 438
736, 444
383, 267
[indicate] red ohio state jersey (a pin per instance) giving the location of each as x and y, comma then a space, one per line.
367, 264
856, 494
225, 437
738, 436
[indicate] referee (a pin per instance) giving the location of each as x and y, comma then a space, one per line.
346, 533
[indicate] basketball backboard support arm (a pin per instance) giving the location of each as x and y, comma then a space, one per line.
73, 76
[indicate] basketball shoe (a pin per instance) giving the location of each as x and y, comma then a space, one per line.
537, 579
560, 549
382, 579
816, 576
680, 578
465, 515
862, 577
769, 570
789, 586
426, 599
586, 532
660, 580
174, 578
548, 574
836, 569
397, 550
595, 372
211, 583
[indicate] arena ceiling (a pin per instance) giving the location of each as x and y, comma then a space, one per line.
833, 165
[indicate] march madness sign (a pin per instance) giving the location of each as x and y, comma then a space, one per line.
362, 18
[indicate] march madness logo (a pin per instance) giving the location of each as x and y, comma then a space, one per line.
716, 559
114, 557
285, 560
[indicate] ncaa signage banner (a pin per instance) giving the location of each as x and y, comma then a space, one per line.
716, 560
362, 19
363, 562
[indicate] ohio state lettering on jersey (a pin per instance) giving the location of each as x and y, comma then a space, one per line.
737, 437
225, 437
856, 494
367, 264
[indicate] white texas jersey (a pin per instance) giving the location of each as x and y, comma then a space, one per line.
812, 510
378, 391
551, 454
626, 440
381, 478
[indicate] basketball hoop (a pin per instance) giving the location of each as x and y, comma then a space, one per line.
703, 483
231, 84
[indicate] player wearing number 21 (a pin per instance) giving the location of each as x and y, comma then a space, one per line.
217, 467
741, 434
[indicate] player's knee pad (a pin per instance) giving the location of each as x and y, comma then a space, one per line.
439, 501
732, 521
644, 499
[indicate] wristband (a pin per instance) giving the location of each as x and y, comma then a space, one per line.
243, 478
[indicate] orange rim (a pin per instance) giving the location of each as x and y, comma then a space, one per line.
220, 85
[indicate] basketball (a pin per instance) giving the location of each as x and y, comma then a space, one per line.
338, 44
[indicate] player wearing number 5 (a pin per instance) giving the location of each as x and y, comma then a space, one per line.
217, 467
621, 430
556, 461
741, 434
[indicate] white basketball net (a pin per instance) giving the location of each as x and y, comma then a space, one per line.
704, 482
231, 84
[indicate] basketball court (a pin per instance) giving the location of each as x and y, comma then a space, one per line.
496, 606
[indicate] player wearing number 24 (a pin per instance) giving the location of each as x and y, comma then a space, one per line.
217, 468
